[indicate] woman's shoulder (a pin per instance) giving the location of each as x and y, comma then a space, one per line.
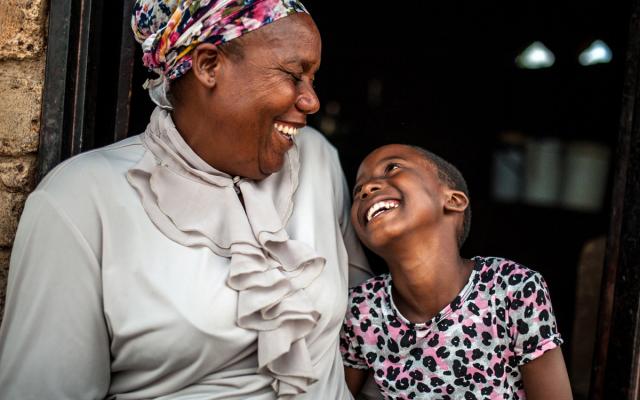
312, 144
92, 177
92, 167
319, 164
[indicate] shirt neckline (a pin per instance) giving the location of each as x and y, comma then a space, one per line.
464, 293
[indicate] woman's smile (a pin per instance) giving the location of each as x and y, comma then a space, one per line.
288, 131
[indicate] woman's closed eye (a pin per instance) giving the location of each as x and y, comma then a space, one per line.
295, 76
298, 78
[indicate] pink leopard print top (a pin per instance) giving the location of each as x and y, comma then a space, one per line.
472, 349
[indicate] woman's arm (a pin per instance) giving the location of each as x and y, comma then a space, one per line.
546, 377
355, 379
54, 340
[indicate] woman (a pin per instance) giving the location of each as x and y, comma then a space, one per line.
207, 258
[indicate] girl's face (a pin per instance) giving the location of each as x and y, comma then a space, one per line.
397, 192
265, 95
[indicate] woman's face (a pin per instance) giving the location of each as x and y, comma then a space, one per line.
266, 94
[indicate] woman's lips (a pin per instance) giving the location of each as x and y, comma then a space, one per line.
288, 130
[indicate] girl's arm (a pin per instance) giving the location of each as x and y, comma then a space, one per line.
355, 379
546, 377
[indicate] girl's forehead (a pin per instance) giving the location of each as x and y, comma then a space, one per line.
389, 151
392, 152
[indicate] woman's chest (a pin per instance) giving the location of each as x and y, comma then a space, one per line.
163, 299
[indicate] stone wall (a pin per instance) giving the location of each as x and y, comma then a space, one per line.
22, 57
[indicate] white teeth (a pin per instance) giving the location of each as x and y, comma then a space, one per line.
287, 130
381, 205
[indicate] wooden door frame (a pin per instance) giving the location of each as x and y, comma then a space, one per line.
616, 369
71, 78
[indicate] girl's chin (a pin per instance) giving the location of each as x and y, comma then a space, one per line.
380, 239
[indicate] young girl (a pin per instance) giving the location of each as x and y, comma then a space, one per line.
440, 326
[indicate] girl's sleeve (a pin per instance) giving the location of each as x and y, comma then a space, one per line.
54, 341
534, 323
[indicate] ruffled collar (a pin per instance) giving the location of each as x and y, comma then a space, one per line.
195, 205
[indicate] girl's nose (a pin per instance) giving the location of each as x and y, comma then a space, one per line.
369, 188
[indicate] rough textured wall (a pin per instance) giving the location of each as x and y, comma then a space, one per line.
22, 43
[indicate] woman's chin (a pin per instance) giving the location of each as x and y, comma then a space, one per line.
270, 167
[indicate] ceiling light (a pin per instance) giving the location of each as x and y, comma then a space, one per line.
597, 53
535, 56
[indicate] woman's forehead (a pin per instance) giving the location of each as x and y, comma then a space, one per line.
294, 40
291, 29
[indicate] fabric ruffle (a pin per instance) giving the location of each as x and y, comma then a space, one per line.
195, 205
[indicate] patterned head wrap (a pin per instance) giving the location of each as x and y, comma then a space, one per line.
169, 29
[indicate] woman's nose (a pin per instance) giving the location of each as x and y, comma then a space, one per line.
368, 189
307, 101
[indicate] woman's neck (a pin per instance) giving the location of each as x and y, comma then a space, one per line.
427, 276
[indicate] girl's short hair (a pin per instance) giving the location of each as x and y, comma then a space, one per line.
452, 177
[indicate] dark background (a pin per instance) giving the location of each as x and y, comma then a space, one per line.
446, 80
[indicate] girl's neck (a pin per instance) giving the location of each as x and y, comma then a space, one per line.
427, 276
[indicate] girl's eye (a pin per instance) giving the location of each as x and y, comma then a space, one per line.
356, 190
390, 167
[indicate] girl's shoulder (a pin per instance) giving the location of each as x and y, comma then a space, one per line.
372, 285
492, 269
507, 278
368, 300
373, 292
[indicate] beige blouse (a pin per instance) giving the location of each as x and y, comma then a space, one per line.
136, 274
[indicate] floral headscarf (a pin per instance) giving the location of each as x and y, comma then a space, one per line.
169, 29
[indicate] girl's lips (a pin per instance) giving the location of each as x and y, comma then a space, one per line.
372, 206
379, 208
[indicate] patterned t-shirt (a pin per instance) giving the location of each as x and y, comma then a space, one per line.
472, 349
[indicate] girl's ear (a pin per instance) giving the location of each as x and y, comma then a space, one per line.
205, 64
456, 201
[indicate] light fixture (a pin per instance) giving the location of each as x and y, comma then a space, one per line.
597, 53
536, 56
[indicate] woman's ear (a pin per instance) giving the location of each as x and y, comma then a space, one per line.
205, 63
456, 201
